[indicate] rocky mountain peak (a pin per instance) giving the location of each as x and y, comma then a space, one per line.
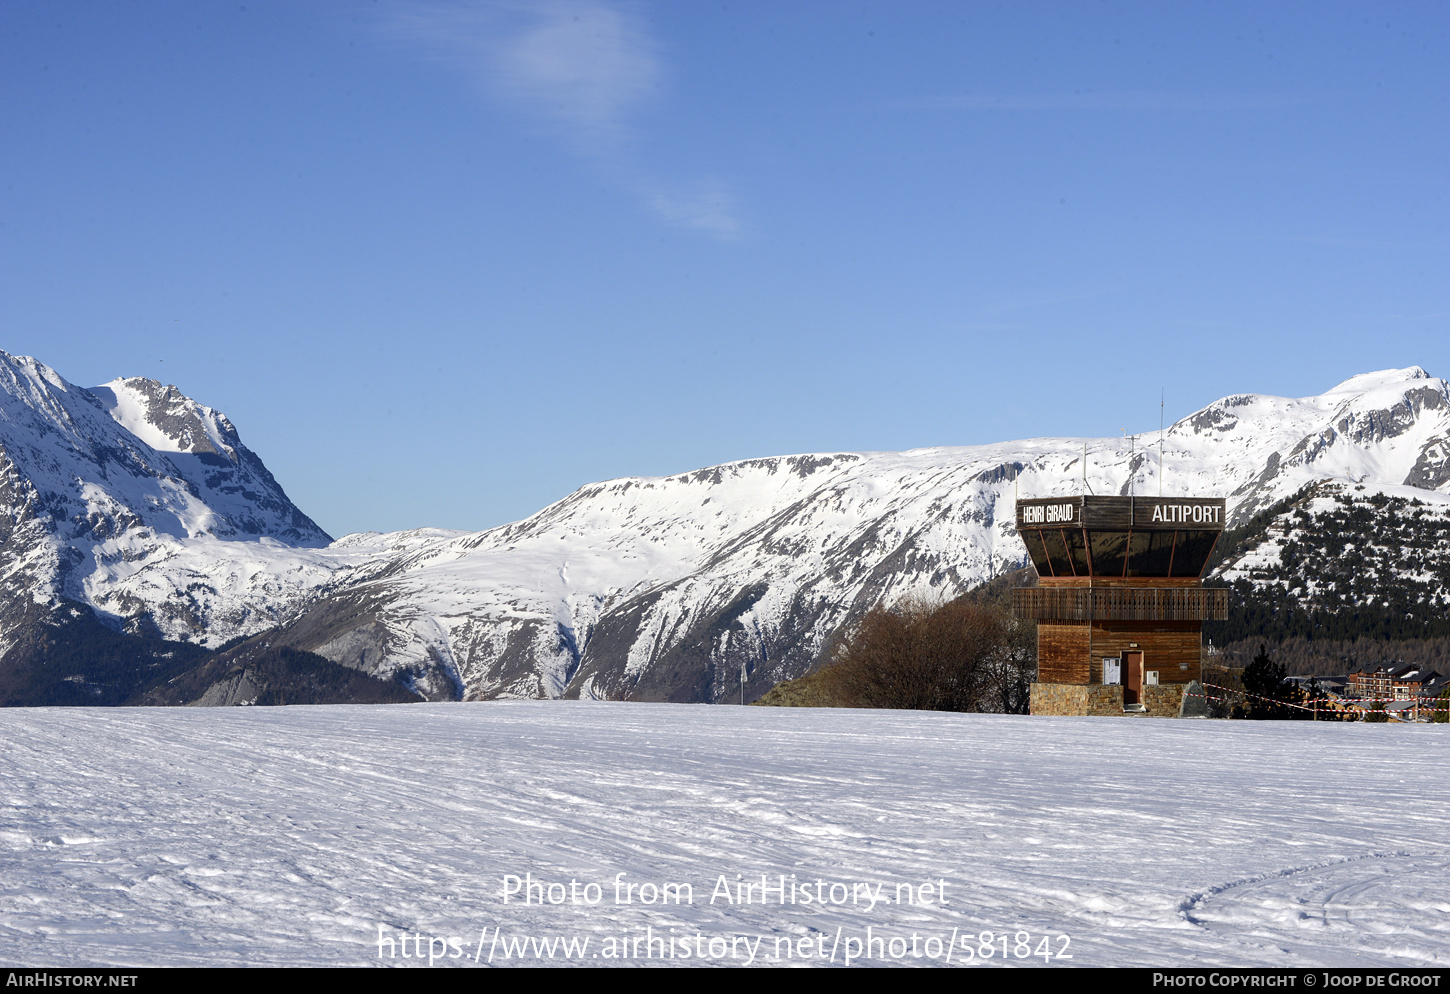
166, 419
132, 498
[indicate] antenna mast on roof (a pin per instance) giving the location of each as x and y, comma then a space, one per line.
1161, 397
1132, 474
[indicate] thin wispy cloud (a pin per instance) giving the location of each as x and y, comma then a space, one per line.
581, 70
706, 206
1120, 101
584, 65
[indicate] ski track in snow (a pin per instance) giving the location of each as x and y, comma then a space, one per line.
288, 835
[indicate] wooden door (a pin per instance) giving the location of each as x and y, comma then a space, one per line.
1132, 677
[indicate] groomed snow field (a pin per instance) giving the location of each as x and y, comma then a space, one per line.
646, 834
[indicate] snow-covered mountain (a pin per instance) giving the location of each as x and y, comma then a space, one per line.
144, 505
664, 589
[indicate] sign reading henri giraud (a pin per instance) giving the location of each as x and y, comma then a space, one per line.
1046, 514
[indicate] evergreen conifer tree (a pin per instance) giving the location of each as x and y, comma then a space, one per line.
1267, 691
1441, 714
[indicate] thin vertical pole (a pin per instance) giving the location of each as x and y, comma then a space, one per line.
1161, 397
1132, 477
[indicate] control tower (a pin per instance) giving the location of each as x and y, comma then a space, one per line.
1120, 604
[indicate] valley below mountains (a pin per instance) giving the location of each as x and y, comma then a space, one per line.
150, 557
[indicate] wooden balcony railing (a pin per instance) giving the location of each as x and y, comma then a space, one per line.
1120, 603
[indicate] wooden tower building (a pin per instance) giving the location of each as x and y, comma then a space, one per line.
1120, 602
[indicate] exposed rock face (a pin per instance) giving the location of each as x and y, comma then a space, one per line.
1432, 470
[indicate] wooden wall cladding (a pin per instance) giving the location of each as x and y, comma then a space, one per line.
1062, 653
1172, 648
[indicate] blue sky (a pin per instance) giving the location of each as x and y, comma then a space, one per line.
444, 263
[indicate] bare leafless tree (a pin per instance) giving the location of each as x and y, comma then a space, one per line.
931, 656
1012, 669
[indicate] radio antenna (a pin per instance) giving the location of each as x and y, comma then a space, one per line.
1161, 396
1132, 473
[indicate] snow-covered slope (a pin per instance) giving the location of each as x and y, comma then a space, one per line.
145, 505
664, 589
301, 835
1390, 428
1343, 560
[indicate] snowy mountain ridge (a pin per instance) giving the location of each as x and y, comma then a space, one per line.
143, 504
667, 588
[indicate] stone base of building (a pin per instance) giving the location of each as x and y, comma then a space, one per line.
1169, 700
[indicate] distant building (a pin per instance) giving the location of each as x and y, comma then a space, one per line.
1326, 695
1404, 688
1120, 602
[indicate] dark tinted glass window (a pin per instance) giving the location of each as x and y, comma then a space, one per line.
1032, 538
1057, 551
1077, 549
1192, 552
1108, 549
1149, 553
